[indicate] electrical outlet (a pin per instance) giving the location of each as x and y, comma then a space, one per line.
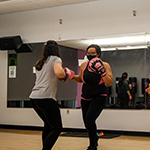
60, 21
67, 111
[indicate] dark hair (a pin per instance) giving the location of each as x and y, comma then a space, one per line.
97, 47
123, 77
50, 48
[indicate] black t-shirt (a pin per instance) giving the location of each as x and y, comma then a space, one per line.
93, 85
124, 88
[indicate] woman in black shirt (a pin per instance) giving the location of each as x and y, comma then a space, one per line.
95, 75
124, 91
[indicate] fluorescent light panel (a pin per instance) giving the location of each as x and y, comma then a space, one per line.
125, 40
123, 48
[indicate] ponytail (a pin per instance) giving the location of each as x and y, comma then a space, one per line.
50, 49
120, 82
123, 77
40, 63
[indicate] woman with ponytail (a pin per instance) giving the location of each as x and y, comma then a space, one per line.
43, 96
123, 91
50, 49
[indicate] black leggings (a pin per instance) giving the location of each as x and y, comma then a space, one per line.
49, 112
124, 99
91, 110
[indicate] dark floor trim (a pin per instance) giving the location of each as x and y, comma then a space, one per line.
36, 128
18, 127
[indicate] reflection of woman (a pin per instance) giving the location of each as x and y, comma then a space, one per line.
124, 91
130, 89
148, 91
43, 100
94, 74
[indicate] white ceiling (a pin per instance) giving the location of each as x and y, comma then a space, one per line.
10, 6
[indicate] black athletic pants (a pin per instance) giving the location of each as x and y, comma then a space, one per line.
124, 99
90, 111
49, 112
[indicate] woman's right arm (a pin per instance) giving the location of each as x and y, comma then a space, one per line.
128, 92
78, 78
58, 70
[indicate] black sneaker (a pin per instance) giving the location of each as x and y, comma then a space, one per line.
91, 148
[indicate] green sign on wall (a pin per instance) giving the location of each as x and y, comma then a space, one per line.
12, 59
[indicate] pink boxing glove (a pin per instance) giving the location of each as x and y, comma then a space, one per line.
69, 75
146, 90
130, 97
96, 65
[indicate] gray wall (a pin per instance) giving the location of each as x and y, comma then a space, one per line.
135, 62
20, 87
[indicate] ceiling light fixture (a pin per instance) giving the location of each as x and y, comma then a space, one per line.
123, 48
120, 41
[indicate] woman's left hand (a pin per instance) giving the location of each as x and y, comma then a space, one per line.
96, 65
